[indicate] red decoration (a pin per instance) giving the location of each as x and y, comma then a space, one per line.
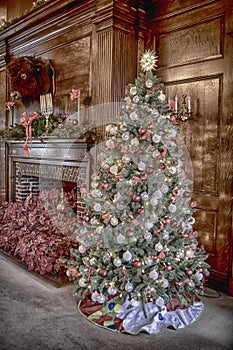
137, 264
26, 121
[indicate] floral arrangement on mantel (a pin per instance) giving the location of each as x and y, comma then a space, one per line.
28, 232
37, 3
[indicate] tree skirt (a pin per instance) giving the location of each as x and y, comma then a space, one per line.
125, 318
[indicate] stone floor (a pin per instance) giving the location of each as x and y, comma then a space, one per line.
36, 315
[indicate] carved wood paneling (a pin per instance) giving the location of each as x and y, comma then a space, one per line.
195, 58
196, 43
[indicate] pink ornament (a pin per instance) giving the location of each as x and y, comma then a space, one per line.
161, 255
131, 215
150, 170
141, 131
137, 264
103, 273
106, 216
86, 218
168, 267
136, 198
140, 211
105, 185
129, 233
189, 272
193, 204
162, 166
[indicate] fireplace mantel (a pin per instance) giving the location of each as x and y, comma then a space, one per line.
60, 159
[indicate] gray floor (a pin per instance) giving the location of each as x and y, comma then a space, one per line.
36, 315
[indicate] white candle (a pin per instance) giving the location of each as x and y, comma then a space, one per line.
176, 104
79, 109
189, 104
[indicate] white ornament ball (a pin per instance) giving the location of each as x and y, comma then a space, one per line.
114, 221
82, 248
129, 287
97, 207
117, 262
158, 247
172, 208
153, 274
112, 290
159, 301
94, 296
82, 282
127, 256
120, 239
101, 299
141, 166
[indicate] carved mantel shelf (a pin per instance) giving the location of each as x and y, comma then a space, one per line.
49, 155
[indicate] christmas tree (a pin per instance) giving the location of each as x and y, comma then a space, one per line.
138, 263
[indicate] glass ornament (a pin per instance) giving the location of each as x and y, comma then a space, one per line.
126, 159
153, 275
158, 194
120, 239
149, 225
82, 282
101, 298
127, 256
144, 196
133, 90
108, 128
113, 169
112, 290
106, 258
125, 136
134, 142
172, 208
117, 262
141, 166
154, 201
148, 236
189, 253
93, 261
162, 97
158, 247
165, 283
129, 287
136, 99
164, 188
114, 221
82, 248
94, 296
149, 83
159, 301
156, 139
110, 144
199, 275
96, 193
133, 116
97, 207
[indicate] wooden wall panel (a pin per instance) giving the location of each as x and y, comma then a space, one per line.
194, 52
201, 41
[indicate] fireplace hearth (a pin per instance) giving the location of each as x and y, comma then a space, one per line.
63, 164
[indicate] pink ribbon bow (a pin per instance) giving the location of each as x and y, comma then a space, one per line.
26, 121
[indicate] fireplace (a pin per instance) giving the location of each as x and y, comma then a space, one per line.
66, 165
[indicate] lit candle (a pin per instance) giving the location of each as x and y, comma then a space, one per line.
189, 104
176, 104
79, 109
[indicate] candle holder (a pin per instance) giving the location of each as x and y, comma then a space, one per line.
184, 112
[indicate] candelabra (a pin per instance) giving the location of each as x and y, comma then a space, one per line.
184, 112
46, 107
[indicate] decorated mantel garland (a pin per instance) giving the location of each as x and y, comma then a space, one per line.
138, 265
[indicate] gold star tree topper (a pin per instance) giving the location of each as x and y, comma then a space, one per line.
148, 61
